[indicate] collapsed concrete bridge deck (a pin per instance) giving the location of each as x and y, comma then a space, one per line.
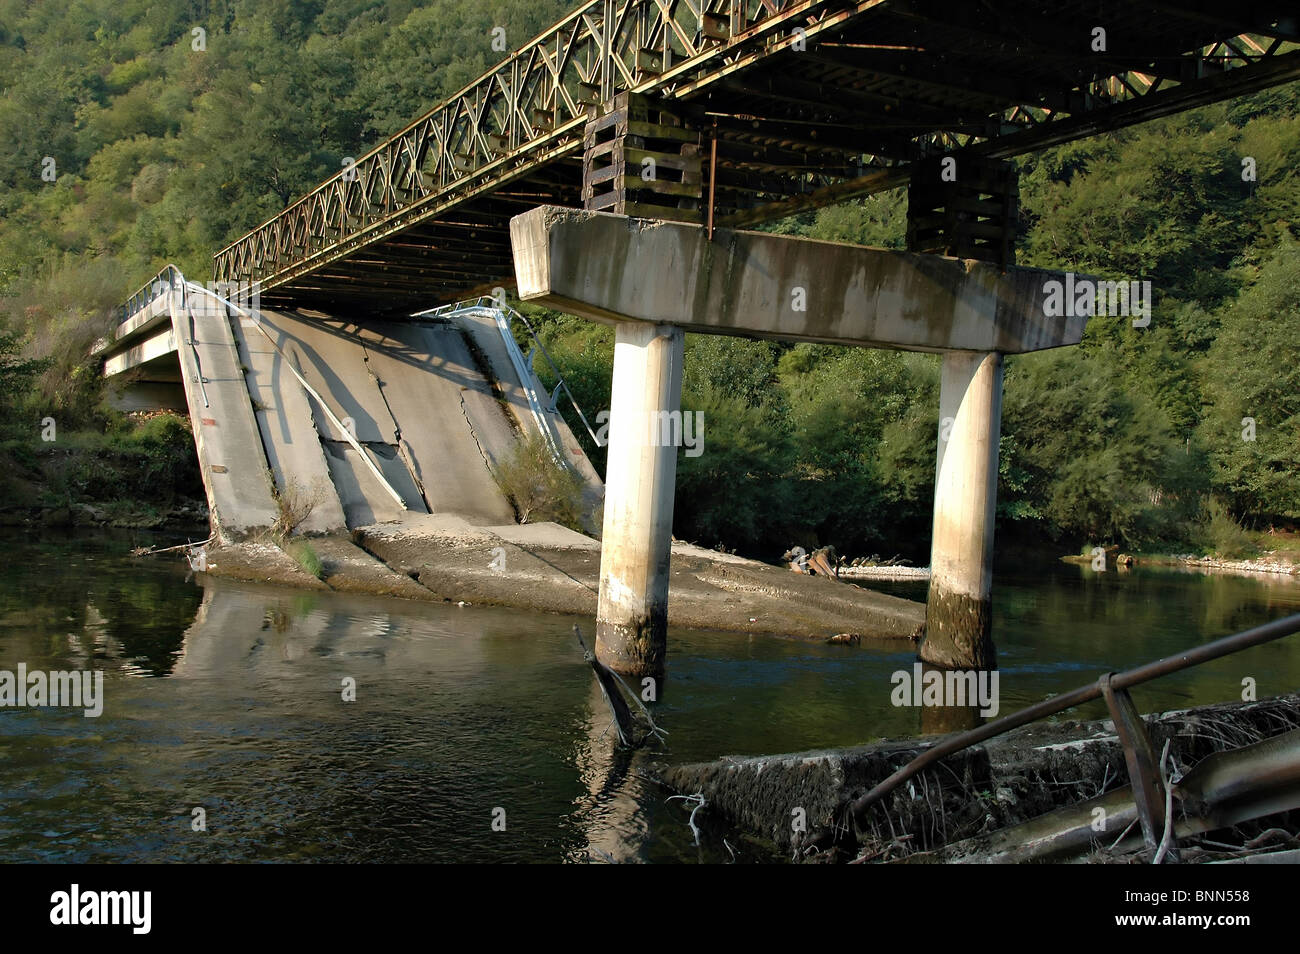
337, 410
390, 430
347, 421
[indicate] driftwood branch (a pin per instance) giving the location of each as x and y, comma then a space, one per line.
150, 551
691, 821
610, 683
654, 730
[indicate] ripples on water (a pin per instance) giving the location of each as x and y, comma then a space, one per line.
229, 696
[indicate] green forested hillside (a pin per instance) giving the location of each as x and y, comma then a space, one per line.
165, 151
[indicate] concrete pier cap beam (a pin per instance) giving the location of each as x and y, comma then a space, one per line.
613, 268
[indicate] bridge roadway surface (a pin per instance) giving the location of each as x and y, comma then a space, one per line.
437, 460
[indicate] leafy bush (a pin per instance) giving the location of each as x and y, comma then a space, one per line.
1227, 537
540, 487
152, 460
16, 375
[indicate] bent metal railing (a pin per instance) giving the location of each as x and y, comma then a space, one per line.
523, 363
1148, 788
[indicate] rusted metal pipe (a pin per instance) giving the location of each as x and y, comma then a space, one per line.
1068, 700
1140, 757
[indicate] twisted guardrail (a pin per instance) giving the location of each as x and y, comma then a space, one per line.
523, 363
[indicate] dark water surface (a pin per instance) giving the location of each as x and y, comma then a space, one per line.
229, 697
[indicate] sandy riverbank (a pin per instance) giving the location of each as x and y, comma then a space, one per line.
1266, 563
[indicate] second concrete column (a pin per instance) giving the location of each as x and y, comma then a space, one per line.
640, 479
957, 617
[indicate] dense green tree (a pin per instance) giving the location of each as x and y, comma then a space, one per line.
1087, 456
16, 371
1253, 386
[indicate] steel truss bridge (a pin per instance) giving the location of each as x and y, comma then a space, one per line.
798, 104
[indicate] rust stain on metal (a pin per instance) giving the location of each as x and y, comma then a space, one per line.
1148, 788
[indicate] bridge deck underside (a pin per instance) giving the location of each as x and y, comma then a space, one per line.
875, 88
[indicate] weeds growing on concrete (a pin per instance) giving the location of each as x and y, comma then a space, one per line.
540, 487
307, 558
295, 507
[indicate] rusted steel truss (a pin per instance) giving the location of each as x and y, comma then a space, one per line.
807, 102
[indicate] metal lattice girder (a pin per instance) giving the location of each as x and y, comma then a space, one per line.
810, 102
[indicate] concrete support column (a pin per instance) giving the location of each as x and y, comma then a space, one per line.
957, 618
640, 477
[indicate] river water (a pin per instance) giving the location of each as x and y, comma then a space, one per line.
229, 697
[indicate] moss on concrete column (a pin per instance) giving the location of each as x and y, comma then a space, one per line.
958, 631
